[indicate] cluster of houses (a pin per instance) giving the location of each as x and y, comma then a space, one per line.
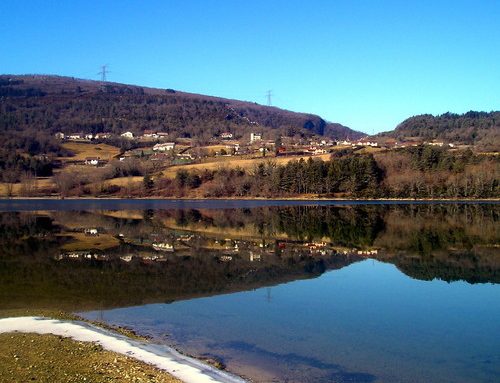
80, 136
164, 245
163, 150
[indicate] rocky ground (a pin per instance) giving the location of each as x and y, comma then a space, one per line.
50, 358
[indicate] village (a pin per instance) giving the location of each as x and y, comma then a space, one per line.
158, 147
166, 245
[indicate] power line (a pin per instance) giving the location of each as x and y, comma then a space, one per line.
104, 71
269, 94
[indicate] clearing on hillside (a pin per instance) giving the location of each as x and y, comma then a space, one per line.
231, 162
83, 150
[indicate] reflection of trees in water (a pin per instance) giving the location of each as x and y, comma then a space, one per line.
419, 228
470, 266
426, 228
39, 281
449, 242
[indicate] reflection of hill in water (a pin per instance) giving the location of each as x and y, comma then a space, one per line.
91, 284
46, 260
474, 267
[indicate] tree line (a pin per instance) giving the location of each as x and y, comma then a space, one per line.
425, 172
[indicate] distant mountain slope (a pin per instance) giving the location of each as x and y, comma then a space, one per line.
471, 128
32, 103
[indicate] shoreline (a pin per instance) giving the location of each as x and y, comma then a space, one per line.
163, 357
35, 204
273, 199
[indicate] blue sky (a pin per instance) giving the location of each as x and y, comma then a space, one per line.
366, 64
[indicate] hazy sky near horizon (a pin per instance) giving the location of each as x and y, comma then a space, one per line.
366, 64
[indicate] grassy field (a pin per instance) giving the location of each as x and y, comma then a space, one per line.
124, 181
50, 358
124, 214
370, 149
212, 149
41, 184
83, 150
234, 162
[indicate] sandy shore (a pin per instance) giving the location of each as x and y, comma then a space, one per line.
180, 366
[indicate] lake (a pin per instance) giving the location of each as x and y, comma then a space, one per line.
277, 291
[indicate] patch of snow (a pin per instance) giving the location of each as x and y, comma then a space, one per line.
166, 358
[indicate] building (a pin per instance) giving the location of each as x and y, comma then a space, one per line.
164, 147
89, 136
162, 135
159, 157
149, 134
435, 143
101, 136
163, 246
344, 143
185, 156
316, 150
76, 136
94, 161
255, 137
128, 135
364, 142
234, 147
60, 135
226, 135
91, 232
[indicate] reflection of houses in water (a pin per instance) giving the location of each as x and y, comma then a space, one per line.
81, 255
254, 257
163, 246
227, 244
367, 252
316, 245
143, 258
317, 248
150, 259
185, 237
225, 258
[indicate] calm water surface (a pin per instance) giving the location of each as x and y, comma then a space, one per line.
341, 293
367, 322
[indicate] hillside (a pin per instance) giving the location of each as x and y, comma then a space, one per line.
472, 128
34, 103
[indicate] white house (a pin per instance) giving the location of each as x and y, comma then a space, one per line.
76, 136
89, 136
128, 135
101, 136
435, 143
92, 161
255, 137
226, 135
162, 135
163, 246
91, 232
345, 142
149, 134
235, 147
164, 147
60, 135
316, 150
366, 143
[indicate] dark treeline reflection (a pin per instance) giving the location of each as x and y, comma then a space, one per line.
107, 258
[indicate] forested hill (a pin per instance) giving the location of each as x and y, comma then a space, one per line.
471, 128
39, 103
